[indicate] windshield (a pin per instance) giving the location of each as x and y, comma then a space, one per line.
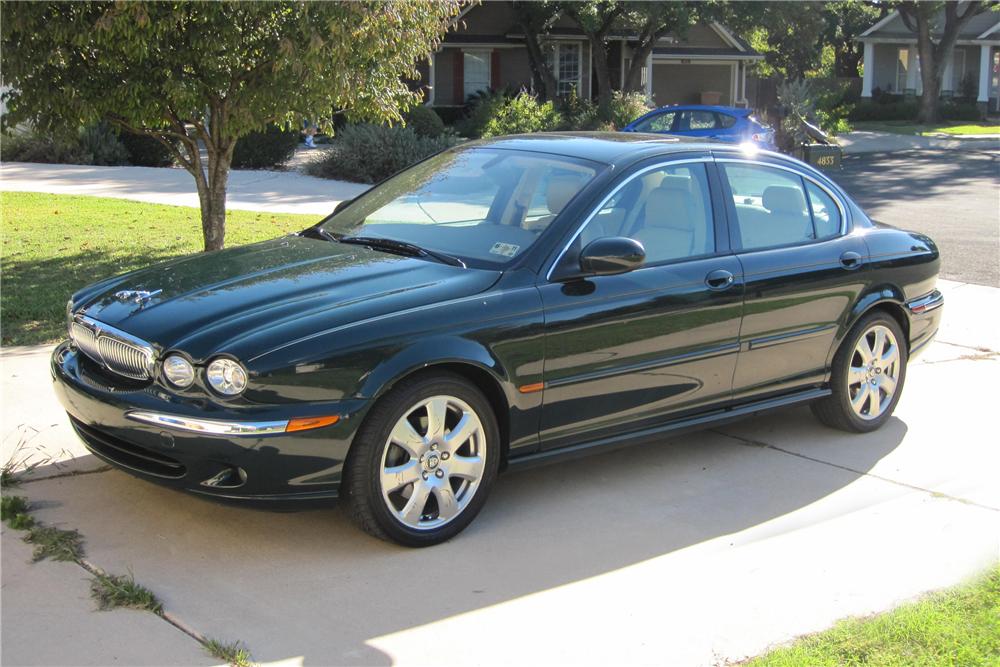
485, 206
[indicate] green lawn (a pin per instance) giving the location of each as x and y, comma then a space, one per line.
56, 244
957, 128
955, 627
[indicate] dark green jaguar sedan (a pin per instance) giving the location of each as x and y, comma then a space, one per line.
501, 303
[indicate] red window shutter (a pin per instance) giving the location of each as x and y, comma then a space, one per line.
458, 76
495, 69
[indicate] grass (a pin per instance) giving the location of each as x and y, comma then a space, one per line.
14, 510
955, 128
55, 244
114, 591
960, 626
54, 543
234, 653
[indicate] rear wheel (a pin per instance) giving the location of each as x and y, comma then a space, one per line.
424, 461
868, 374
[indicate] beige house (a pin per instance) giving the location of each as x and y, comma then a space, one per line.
487, 51
892, 63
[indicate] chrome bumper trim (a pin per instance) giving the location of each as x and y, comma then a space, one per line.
926, 303
208, 426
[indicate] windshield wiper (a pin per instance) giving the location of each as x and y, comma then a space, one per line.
401, 248
318, 232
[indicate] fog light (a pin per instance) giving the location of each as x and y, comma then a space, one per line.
226, 377
178, 371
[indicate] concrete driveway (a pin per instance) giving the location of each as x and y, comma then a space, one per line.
697, 550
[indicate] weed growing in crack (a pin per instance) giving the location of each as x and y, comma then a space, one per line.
234, 653
54, 543
113, 591
14, 510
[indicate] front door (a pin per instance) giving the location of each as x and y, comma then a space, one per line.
629, 351
803, 273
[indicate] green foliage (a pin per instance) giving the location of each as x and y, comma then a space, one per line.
14, 510
97, 238
967, 88
521, 114
265, 149
100, 145
113, 591
54, 543
367, 153
902, 110
955, 627
233, 653
41, 148
145, 151
578, 113
626, 107
424, 121
960, 111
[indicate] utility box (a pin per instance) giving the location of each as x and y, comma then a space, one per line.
822, 156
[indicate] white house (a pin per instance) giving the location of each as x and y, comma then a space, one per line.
892, 64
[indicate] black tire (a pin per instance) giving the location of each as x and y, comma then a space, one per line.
362, 489
835, 410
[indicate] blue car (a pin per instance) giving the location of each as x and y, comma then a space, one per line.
727, 124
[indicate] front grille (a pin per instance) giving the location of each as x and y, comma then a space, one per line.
115, 350
127, 454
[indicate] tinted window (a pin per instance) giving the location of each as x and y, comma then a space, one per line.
726, 121
662, 123
484, 206
770, 206
703, 120
826, 215
668, 210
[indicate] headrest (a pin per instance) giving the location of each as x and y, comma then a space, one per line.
783, 199
672, 182
559, 191
668, 207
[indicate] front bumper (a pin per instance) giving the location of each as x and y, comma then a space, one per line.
265, 464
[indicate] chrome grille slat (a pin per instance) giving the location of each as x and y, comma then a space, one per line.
115, 350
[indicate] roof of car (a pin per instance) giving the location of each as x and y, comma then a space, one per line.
732, 111
606, 147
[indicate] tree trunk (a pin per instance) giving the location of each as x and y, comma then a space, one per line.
213, 201
930, 79
599, 53
544, 78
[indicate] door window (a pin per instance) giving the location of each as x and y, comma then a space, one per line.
661, 123
772, 208
667, 209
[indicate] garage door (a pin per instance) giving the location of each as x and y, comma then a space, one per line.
684, 84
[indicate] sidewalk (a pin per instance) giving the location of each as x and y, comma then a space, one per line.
694, 551
273, 191
859, 142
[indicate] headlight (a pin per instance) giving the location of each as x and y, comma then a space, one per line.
178, 371
226, 377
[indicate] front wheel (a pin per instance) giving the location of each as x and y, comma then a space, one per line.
424, 461
868, 374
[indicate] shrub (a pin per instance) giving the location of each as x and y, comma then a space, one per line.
626, 107
521, 114
145, 151
99, 145
41, 148
482, 107
262, 150
369, 153
960, 111
885, 111
424, 121
578, 113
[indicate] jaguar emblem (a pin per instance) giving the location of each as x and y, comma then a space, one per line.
140, 297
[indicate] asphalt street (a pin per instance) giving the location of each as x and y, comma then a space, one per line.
952, 196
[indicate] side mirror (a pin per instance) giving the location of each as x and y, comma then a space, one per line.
341, 206
612, 255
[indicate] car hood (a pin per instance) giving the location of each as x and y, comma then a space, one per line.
247, 300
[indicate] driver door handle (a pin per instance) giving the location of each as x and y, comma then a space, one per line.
850, 260
719, 279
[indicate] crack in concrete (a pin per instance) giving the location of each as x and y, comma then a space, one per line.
938, 495
68, 473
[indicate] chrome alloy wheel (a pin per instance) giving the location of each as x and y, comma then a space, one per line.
874, 372
433, 462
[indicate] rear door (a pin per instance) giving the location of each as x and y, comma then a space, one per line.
630, 351
803, 272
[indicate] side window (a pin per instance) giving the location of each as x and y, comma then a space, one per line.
770, 206
703, 120
662, 123
826, 215
668, 210
726, 121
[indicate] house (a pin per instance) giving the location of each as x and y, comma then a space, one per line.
487, 50
892, 64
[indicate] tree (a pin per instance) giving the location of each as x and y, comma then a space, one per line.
535, 17
652, 21
198, 75
844, 21
596, 18
935, 42
788, 34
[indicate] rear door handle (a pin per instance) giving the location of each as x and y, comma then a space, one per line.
719, 279
850, 260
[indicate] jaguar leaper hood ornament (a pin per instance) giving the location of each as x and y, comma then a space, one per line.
140, 297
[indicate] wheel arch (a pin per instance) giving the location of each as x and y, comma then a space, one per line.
887, 298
